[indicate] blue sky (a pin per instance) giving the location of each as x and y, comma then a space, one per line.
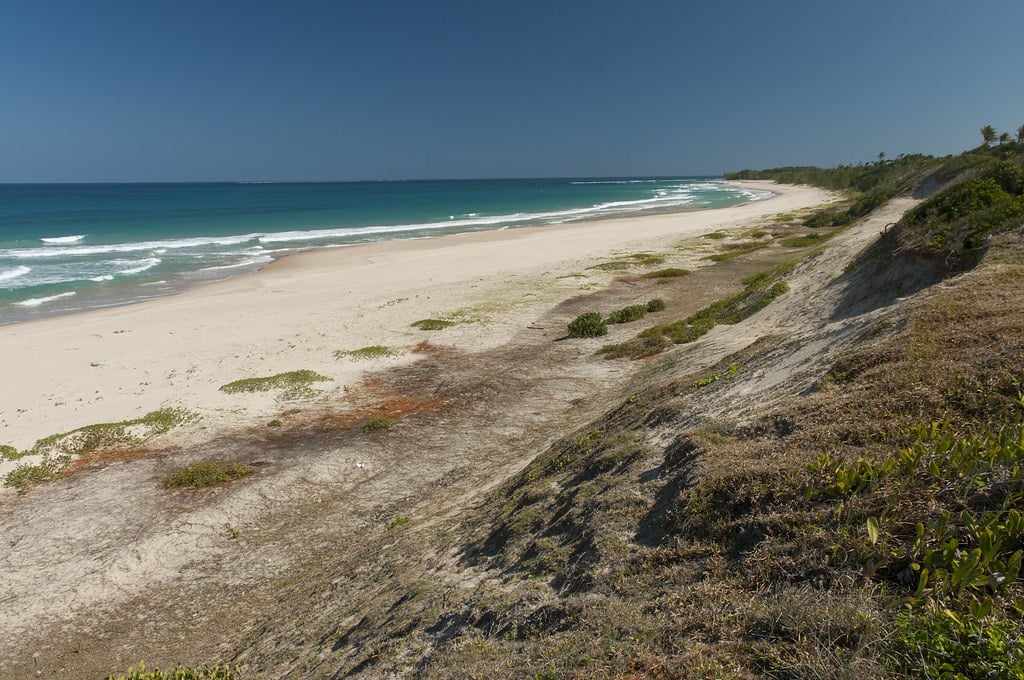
99, 91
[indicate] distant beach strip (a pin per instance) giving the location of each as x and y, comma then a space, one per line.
66, 248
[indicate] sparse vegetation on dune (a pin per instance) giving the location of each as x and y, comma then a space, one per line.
180, 673
369, 352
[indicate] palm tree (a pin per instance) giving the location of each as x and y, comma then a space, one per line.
1004, 137
988, 133
1020, 134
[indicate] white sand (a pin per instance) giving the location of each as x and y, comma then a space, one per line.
113, 364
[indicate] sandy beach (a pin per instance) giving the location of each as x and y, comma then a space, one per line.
114, 364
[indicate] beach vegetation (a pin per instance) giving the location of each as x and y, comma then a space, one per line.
655, 305
432, 324
717, 235
667, 273
369, 352
588, 325
207, 473
378, 424
627, 314
398, 522
180, 673
9, 452
631, 260
294, 383
276, 422
58, 451
760, 290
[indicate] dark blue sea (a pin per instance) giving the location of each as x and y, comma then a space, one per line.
69, 247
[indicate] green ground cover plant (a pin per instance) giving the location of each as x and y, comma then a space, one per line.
805, 240
180, 673
207, 473
655, 305
294, 382
432, 324
379, 424
369, 352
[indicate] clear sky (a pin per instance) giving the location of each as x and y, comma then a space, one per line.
139, 90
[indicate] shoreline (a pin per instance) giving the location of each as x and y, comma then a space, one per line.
116, 363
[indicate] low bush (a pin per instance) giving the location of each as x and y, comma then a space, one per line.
627, 314
655, 305
587, 325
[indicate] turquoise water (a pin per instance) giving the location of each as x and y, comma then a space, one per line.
65, 248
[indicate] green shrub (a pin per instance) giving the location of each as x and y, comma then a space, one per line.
207, 473
587, 325
379, 424
432, 324
655, 305
8, 452
627, 314
274, 423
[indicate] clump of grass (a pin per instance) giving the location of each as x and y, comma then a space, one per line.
716, 235
587, 325
9, 452
294, 381
378, 424
181, 673
25, 476
369, 352
432, 324
806, 240
655, 305
207, 473
667, 273
274, 423
627, 314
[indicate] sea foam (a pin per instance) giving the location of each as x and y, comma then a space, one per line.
35, 302
8, 274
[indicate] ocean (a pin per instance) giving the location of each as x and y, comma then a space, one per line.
70, 247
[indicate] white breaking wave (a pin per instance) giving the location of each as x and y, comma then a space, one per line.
57, 240
35, 302
73, 251
250, 262
140, 265
9, 274
105, 277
